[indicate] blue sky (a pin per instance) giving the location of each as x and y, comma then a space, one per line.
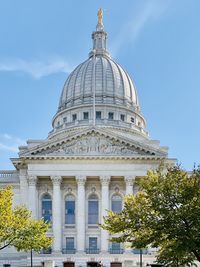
156, 41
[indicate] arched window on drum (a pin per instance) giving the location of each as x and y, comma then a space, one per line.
93, 209
47, 208
70, 209
116, 203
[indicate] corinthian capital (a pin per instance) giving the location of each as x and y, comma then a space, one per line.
56, 180
81, 179
129, 179
105, 179
32, 180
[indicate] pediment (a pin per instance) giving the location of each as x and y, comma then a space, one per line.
92, 142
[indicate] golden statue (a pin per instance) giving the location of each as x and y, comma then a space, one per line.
100, 16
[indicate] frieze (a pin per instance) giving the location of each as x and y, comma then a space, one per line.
93, 144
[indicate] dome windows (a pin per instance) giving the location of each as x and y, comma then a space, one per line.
110, 115
132, 120
122, 117
98, 115
85, 115
74, 117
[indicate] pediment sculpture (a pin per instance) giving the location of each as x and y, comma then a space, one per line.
91, 145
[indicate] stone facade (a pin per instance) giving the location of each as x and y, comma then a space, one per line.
94, 155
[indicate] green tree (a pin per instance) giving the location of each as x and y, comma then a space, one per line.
165, 214
17, 228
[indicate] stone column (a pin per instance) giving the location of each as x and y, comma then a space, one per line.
80, 214
104, 207
129, 184
129, 190
57, 221
23, 187
32, 181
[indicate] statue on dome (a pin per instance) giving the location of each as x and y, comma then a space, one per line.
100, 16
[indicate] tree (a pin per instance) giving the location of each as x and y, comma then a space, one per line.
165, 214
17, 228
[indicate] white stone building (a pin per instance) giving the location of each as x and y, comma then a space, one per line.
97, 149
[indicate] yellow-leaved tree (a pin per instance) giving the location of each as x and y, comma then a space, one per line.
18, 228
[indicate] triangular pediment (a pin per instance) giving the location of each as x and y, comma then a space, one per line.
92, 143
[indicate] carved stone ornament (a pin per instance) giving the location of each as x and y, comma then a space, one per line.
44, 188
105, 179
93, 189
117, 189
56, 180
129, 180
92, 144
32, 180
81, 179
69, 190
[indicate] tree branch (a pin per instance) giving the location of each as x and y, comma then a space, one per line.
5, 246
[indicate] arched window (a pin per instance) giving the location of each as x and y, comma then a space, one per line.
93, 209
116, 204
47, 208
70, 209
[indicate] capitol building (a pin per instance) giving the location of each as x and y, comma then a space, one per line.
97, 149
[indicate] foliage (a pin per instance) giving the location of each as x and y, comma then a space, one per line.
17, 228
164, 214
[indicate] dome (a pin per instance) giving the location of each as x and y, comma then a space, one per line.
98, 92
101, 74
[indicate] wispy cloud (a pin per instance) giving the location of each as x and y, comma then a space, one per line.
36, 68
150, 10
10, 143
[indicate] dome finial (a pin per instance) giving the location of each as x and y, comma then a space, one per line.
100, 20
100, 16
99, 37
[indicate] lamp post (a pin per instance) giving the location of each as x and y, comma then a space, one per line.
140, 257
31, 257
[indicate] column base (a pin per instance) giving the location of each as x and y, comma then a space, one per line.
49, 263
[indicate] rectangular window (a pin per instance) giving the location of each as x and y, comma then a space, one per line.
93, 243
116, 246
74, 117
64, 119
122, 117
70, 212
70, 243
132, 120
98, 115
110, 115
85, 115
117, 206
93, 208
47, 210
